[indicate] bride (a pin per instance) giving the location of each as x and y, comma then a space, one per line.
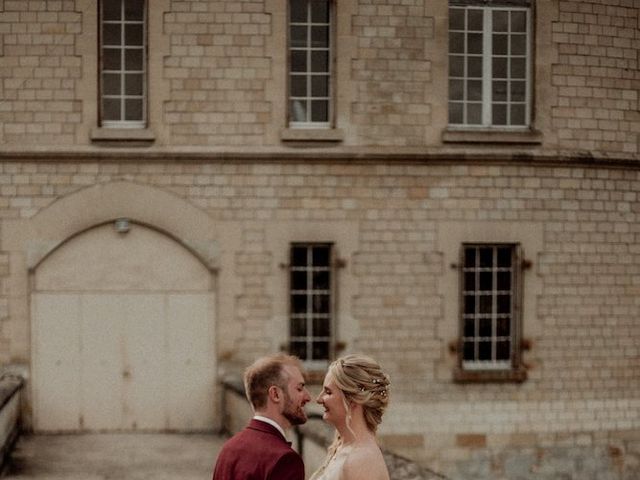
354, 395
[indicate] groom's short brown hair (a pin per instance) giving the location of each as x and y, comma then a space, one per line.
266, 372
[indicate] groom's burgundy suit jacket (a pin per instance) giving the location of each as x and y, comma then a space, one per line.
259, 452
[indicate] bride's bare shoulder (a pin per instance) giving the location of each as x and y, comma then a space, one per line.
365, 462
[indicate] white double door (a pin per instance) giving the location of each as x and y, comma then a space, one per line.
123, 362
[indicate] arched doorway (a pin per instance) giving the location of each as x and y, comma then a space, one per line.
122, 334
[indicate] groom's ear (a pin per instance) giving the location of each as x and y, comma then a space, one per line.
275, 394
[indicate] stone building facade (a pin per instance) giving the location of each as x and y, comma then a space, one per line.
186, 212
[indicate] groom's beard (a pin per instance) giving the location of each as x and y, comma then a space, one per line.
294, 413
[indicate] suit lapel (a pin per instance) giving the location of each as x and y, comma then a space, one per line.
266, 428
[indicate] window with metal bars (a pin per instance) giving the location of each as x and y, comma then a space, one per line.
490, 63
310, 63
490, 287
123, 76
311, 303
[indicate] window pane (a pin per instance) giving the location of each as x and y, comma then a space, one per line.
321, 280
499, 67
111, 34
298, 61
474, 113
456, 89
456, 42
469, 281
503, 327
110, 84
320, 350
298, 10
298, 86
470, 257
319, 61
486, 302
474, 90
499, 116
320, 11
298, 111
500, 44
134, 10
486, 281
500, 21
504, 257
319, 111
484, 329
456, 19
503, 350
111, 59
133, 34
320, 85
111, 109
504, 303
299, 349
474, 43
321, 304
499, 91
475, 20
111, 10
298, 280
298, 36
486, 257
504, 281
468, 350
133, 109
518, 21
319, 37
484, 350
469, 327
456, 66
518, 44
469, 304
321, 327
474, 67
133, 59
517, 115
298, 303
298, 327
518, 68
298, 256
455, 113
133, 84
321, 256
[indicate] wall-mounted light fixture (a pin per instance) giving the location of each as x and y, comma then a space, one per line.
122, 225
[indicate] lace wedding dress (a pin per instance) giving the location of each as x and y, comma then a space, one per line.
333, 469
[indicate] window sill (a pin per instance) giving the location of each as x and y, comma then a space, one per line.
324, 135
124, 137
491, 136
517, 375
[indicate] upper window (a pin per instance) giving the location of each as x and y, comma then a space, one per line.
490, 309
123, 63
310, 59
489, 64
311, 303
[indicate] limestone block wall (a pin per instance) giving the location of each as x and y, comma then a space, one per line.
218, 75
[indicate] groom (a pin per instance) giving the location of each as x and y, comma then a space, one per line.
275, 387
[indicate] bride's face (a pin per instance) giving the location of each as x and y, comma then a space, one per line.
333, 401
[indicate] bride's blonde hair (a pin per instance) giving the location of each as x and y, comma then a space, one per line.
361, 380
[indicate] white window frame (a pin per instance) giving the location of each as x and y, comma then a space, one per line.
123, 47
308, 316
292, 101
514, 313
487, 67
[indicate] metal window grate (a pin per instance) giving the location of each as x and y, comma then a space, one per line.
123, 63
489, 285
310, 63
311, 301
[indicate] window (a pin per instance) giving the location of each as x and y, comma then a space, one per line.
490, 308
311, 303
310, 60
123, 63
489, 64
